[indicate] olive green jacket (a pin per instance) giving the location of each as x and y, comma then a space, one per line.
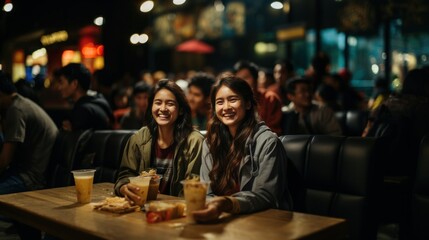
137, 154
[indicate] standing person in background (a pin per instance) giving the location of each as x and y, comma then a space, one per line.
168, 143
91, 110
403, 120
269, 103
243, 159
136, 118
349, 98
380, 93
283, 71
320, 69
29, 135
199, 99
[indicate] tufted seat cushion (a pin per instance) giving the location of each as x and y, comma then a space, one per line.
65, 156
352, 122
336, 176
101, 150
420, 196
104, 153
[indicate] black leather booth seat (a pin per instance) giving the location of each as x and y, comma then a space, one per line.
420, 196
101, 150
336, 176
352, 122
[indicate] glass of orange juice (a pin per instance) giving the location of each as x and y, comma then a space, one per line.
83, 179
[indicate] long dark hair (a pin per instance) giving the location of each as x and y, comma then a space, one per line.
183, 125
228, 152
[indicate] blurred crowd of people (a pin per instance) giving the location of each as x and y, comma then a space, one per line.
307, 106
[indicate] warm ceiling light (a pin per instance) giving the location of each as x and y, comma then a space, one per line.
277, 5
146, 6
8, 6
99, 21
178, 2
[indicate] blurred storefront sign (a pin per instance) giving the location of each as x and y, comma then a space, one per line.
60, 36
290, 32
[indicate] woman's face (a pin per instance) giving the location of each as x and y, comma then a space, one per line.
165, 108
230, 108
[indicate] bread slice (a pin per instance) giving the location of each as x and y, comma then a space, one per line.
115, 205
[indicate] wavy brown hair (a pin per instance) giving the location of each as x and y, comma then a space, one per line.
183, 125
228, 152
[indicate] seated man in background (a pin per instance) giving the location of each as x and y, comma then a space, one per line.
268, 102
136, 118
91, 110
305, 117
29, 135
199, 99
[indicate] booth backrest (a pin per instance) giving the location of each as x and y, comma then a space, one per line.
420, 196
335, 176
101, 150
65, 157
352, 122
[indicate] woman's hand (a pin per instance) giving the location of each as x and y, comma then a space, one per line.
130, 192
214, 209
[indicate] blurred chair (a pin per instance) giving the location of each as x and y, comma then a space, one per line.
336, 176
420, 195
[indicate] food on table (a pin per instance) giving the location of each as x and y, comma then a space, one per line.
149, 172
159, 211
115, 205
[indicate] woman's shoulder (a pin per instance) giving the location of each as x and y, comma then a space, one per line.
142, 135
195, 135
263, 133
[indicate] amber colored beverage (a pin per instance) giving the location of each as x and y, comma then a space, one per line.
143, 184
195, 196
154, 187
84, 188
83, 180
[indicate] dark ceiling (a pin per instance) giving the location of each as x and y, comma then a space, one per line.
28, 16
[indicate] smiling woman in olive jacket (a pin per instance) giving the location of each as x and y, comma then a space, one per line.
169, 143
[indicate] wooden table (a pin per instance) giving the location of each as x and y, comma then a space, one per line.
56, 212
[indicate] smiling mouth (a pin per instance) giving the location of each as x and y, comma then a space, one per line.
228, 115
162, 116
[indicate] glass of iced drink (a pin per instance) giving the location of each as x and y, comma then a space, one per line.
154, 182
154, 187
83, 179
143, 183
195, 196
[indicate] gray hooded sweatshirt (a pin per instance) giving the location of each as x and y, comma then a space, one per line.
262, 173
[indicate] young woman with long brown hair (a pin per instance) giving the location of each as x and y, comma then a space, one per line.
168, 143
242, 158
